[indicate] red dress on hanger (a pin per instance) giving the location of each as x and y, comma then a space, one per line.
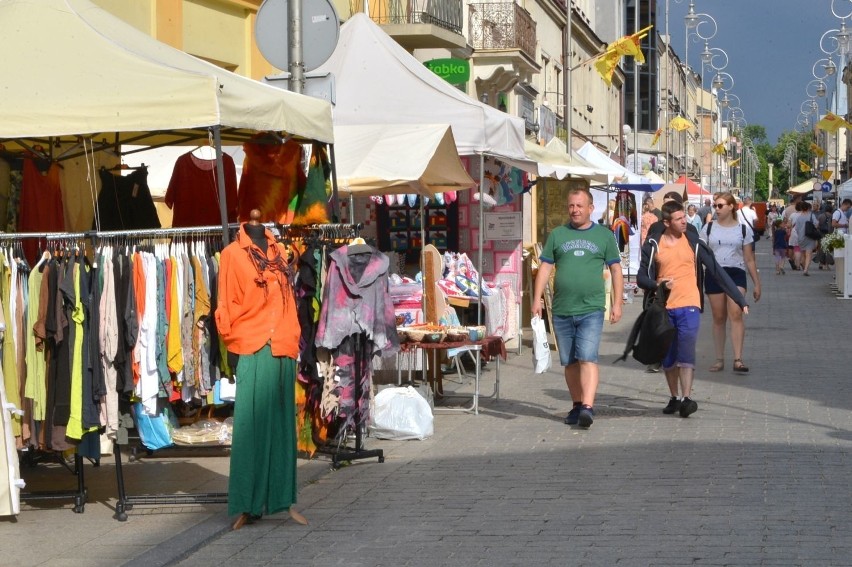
40, 208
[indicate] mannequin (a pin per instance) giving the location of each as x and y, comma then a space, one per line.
256, 317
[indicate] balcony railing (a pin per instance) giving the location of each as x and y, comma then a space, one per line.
501, 25
445, 14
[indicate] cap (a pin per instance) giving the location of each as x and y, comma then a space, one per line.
673, 196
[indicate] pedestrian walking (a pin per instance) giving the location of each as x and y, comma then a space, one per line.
805, 245
731, 242
579, 251
779, 245
678, 260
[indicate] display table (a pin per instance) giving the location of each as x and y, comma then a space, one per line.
488, 348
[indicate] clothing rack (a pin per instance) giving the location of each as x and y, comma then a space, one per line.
360, 362
327, 232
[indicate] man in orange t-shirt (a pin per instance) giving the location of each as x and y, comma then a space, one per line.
674, 259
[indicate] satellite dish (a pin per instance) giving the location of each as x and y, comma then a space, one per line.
320, 31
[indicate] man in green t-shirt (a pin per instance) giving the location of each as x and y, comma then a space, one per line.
579, 251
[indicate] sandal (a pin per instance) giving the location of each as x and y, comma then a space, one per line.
739, 366
719, 366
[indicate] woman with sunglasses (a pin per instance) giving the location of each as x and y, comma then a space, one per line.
732, 247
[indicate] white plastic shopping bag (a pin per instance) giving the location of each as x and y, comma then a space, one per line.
541, 348
401, 413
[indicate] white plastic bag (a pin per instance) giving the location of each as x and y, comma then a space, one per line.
401, 413
541, 348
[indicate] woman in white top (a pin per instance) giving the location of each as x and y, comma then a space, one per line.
732, 247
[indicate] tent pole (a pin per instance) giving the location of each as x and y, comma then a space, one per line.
335, 196
422, 228
220, 179
481, 239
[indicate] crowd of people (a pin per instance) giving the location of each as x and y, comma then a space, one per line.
687, 252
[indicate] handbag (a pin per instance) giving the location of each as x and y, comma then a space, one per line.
811, 231
227, 390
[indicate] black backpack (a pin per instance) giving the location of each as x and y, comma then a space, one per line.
652, 333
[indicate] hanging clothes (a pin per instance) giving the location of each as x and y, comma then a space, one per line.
193, 192
270, 179
40, 208
625, 206
356, 301
125, 202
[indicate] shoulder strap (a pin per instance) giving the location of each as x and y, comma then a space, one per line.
744, 232
709, 228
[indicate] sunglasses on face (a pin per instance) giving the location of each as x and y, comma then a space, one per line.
719, 205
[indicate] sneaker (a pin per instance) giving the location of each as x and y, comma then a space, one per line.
673, 406
586, 417
688, 407
573, 415
653, 368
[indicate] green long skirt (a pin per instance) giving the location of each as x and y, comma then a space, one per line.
263, 449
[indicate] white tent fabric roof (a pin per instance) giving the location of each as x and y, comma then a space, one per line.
378, 82
805, 186
617, 172
76, 69
550, 161
369, 161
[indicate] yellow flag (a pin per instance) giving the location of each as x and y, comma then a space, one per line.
817, 150
680, 123
719, 148
628, 45
803, 167
832, 123
656, 137
826, 174
606, 65
734, 163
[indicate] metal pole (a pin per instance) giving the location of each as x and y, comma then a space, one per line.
636, 29
220, 182
481, 235
297, 65
568, 119
668, 89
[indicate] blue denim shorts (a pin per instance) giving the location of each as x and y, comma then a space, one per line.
578, 337
686, 321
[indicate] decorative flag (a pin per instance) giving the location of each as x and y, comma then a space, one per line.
817, 150
680, 124
656, 137
734, 163
832, 123
719, 148
826, 174
803, 167
628, 45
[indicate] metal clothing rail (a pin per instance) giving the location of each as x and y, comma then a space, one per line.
332, 229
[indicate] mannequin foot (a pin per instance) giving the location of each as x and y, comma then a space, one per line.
298, 518
242, 520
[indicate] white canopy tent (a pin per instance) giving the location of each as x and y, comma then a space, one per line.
379, 82
617, 172
553, 161
73, 70
369, 162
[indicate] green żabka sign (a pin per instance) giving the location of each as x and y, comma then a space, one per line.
454, 71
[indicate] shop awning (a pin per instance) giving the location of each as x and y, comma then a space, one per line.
548, 161
383, 159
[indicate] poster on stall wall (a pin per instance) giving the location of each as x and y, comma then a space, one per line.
502, 199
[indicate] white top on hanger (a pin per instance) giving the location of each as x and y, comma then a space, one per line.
205, 152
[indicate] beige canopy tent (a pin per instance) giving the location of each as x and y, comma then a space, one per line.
805, 186
553, 161
369, 162
73, 70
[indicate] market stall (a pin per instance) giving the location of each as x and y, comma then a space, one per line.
118, 86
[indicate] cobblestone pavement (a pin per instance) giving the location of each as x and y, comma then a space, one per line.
758, 476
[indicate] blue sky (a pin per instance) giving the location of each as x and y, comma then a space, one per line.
772, 46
